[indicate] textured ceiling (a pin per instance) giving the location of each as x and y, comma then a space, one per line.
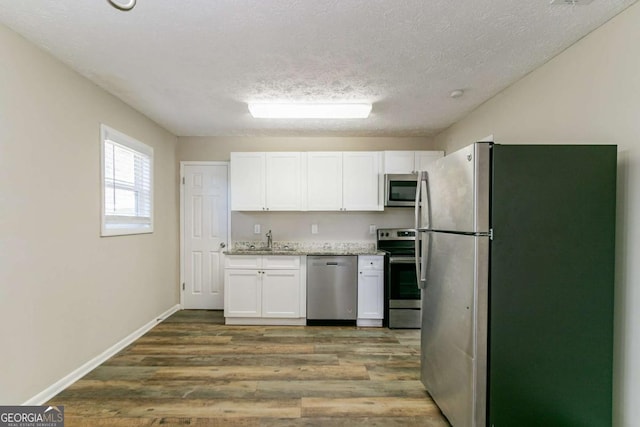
193, 65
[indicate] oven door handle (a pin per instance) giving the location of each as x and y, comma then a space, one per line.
402, 260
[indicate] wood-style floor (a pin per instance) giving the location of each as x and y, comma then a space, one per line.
193, 370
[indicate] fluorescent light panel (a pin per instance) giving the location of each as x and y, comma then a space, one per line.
309, 111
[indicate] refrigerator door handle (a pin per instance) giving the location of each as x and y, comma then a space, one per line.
423, 259
422, 202
417, 226
426, 207
417, 258
417, 205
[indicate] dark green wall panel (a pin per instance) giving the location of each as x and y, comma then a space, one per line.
552, 277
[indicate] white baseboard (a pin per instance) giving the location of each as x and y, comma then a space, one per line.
75, 375
265, 321
369, 323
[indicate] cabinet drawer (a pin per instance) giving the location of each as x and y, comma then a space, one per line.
370, 262
243, 261
281, 262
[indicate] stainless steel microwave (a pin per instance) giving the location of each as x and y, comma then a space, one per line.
400, 190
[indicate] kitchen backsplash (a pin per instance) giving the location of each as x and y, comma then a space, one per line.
331, 226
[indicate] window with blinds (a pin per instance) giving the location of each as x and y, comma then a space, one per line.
127, 187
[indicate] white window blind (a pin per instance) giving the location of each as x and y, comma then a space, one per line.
127, 167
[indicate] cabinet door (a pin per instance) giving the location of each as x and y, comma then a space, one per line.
281, 293
370, 294
361, 181
248, 181
423, 158
242, 293
284, 181
324, 181
399, 162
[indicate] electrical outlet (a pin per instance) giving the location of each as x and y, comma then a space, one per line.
314, 228
256, 228
372, 229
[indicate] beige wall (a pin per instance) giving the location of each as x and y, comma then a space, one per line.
332, 226
218, 148
588, 94
66, 295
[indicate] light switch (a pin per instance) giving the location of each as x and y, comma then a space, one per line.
256, 228
314, 228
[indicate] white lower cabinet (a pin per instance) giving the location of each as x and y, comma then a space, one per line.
370, 290
281, 293
243, 295
265, 290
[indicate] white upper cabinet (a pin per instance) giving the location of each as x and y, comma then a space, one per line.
361, 181
399, 161
408, 161
314, 181
284, 181
341, 181
324, 181
266, 181
248, 188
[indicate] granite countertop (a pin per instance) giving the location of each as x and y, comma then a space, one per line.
305, 248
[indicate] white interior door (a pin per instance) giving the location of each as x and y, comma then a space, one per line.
205, 232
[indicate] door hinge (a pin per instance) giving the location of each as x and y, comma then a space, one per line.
491, 234
183, 286
183, 180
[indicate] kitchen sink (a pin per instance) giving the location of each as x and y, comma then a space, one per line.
258, 249
267, 250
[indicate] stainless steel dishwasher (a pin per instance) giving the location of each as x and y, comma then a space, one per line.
332, 289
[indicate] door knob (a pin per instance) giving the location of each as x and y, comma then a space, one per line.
222, 245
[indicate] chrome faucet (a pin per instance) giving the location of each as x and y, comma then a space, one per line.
269, 240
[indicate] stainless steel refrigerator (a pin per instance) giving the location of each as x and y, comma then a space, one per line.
516, 268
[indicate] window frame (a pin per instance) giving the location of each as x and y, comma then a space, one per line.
133, 224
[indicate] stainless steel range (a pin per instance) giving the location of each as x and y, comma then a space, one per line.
402, 293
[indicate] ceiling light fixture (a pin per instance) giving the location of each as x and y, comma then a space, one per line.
309, 111
571, 2
457, 93
123, 4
